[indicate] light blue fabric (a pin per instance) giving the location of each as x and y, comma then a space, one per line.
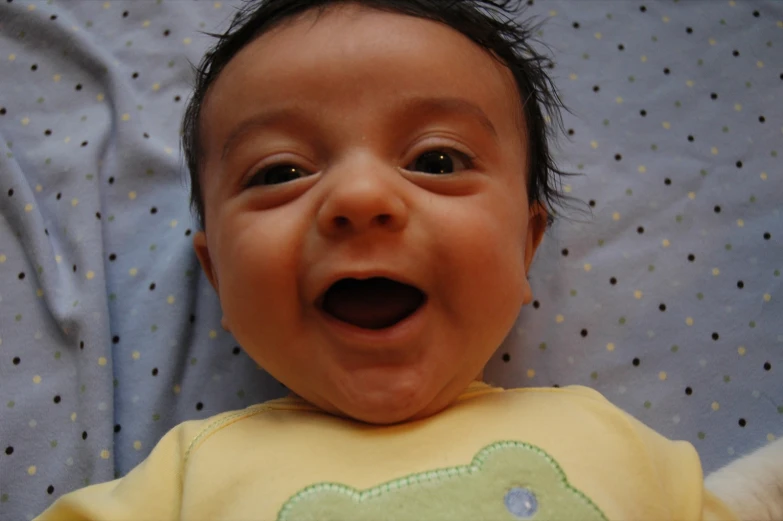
109, 334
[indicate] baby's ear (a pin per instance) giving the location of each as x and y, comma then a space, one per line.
202, 252
536, 227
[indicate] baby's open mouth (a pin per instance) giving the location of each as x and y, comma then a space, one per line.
374, 303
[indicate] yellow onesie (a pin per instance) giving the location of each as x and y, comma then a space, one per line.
495, 454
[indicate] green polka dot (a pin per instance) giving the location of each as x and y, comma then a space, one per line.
700, 62
774, 153
722, 21
128, 43
111, 218
112, 297
75, 303
11, 404
728, 246
86, 482
655, 38
116, 383
153, 328
622, 321
18, 317
678, 218
40, 100
53, 444
650, 268
675, 348
703, 172
83, 388
48, 161
594, 375
776, 273
150, 171
155, 417
701, 435
573, 292
189, 273
726, 378
88, 23
153, 247
57, 355
9, 155
752, 199
725, 129
89, 177
608, 16
585, 56
647, 404
700, 296
3, 498
542, 346
748, 84
580, 166
654, 147
631, 79
780, 409
84, 118
139, 107
193, 361
171, 63
752, 323
600, 242
241, 393
629, 192
677, 104
40, 270
606, 122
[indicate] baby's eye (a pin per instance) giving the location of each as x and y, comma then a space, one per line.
440, 162
275, 175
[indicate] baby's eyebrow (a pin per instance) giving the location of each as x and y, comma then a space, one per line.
407, 106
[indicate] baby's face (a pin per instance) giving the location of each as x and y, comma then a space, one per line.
367, 224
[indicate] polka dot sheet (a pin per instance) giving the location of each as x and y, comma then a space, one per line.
664, 293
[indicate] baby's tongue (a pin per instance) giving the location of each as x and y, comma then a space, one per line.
373, 303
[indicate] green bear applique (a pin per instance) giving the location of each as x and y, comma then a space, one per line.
507, 480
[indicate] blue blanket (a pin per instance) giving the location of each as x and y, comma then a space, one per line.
666, 297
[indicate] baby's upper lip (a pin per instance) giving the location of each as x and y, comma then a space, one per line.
362, 274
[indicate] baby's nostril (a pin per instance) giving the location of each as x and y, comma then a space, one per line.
383, 219
341, 221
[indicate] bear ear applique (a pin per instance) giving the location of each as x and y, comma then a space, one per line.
506, 480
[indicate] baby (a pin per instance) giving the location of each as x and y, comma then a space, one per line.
372, 180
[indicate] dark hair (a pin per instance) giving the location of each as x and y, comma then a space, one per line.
488, 23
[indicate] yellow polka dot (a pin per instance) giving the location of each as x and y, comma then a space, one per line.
39, 292
567, 189
763, 176
74, 202
559, 319
760, 64
106, 5
780, 24
25, 121
131, 195
3, 258
572, 76
156, 87
662, 375
644, 59
691, 195
737, 107
665, 19
619, 99
133, 272
58, 259
531, 373
740, 223
553, 13
187, 41
99, 97
598, 36
732, 3
689, 83
36, 379
715, 272
90, 275
616, 216
667, 125
741, 350
38, 188
217, 5
57, 77
770, 437
666, 243
73, 417
177, 389
104, 454
588, 267
689, 321
168, 150
136, 355
137, 445
170, 300
11, 57
714, 151
637, 294
126, 117
610, 347
712, 41
31, 470
642, 169
145, 23
212, 334
31, 7
173, 223
102, 361
767, 297
28, 207
715, 406
594, 144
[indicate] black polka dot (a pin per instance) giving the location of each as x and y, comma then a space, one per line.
98, 215
57, 399
21, 276
742, 422
192, 318
762, 119
117, 428
740, 284
688, 391
667, 181
34, 67
81, 344
636, 362
135, 75
767, 236
53, 17
756, 14
536, 304
146, 136
84, 143
84, 435
166, 32
177, 98
613, 281
10, 192
662, 307
50, 489
236, 350
188, 232
111, 180
46, 231
199, 406
78, 86
640, 230
3, 111
618, 157
690, 138
154, 371
112, 257
152, 286
592, 202
715, 336
735, 53
570, 132
74, 268
621, 47
666, 70
643, 113
115, 339
716, 209
9, 450
565, 252
125, 14
767, 366
47, 132
596, 88
689, 30
739, 164
575, 25
506, 357
691, 257
643, 9
583, 333
16, 360
59, 196
714, 96
153, 210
